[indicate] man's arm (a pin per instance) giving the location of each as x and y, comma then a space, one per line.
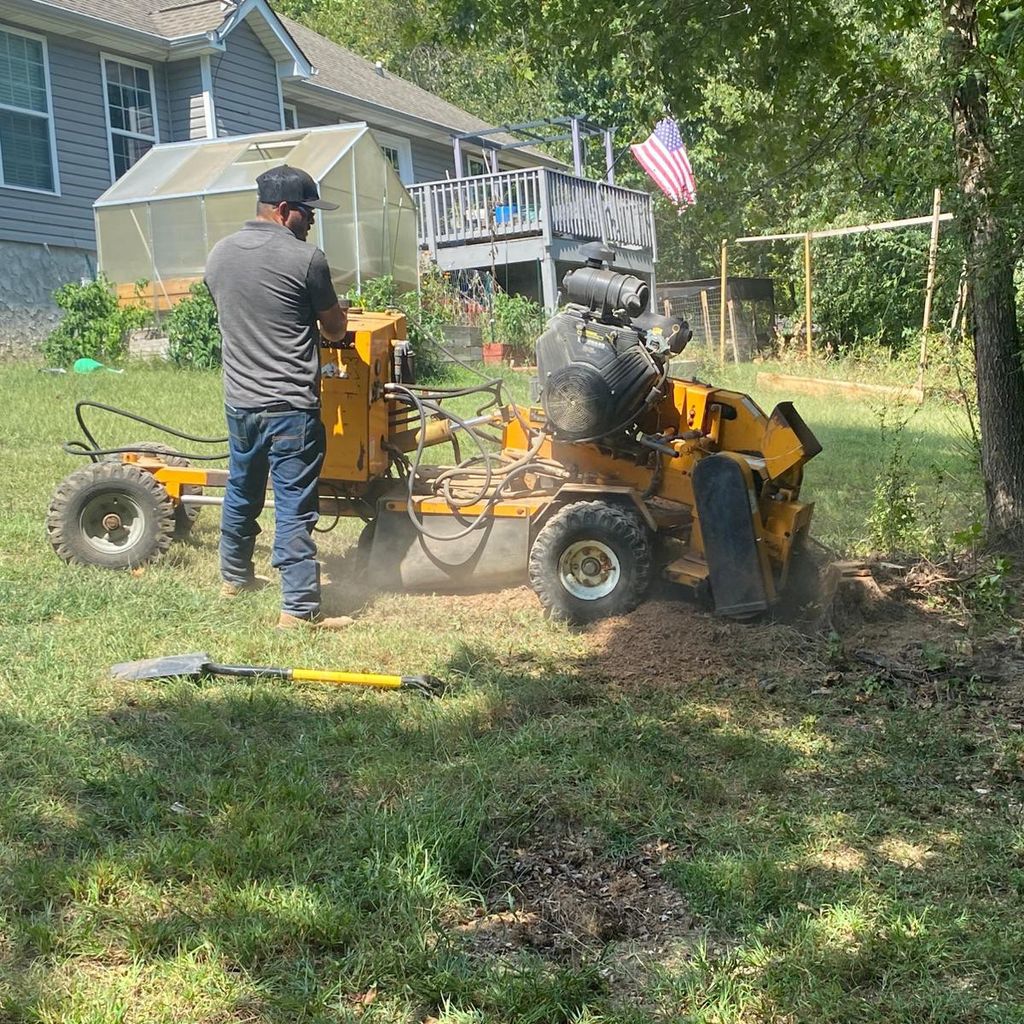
333, 322
331, 313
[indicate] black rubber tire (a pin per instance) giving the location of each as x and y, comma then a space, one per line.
617, 529
82, 498
184, 515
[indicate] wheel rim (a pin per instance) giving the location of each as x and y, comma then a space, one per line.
589, 570
112, 522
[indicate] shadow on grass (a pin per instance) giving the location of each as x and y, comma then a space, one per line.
256, 853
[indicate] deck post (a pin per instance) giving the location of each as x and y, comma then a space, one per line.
609, 157
549, 282
577, 149
431, 224
546, 213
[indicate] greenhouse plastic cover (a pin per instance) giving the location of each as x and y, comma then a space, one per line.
160, 220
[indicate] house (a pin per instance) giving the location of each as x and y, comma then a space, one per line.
88, 86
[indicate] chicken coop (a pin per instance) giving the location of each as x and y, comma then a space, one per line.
749, 314
158, 222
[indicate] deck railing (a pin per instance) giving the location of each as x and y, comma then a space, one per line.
536, 201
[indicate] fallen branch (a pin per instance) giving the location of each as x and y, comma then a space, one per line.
888, 665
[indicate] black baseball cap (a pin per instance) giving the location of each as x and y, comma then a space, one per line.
286, 184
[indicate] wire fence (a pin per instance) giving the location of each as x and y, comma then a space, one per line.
750, 320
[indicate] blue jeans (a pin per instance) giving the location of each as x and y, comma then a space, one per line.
287, 446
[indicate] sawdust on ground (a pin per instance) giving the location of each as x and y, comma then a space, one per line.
560, 898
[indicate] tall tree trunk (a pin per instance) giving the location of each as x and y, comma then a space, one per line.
992, 308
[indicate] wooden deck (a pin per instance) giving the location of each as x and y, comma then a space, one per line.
532, 203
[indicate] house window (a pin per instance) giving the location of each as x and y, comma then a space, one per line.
131, 112
27, 151
398, 152
291, 116
476, 165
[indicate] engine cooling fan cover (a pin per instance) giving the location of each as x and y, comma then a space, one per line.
578, 401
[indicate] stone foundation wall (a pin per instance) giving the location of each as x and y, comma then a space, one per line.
29, 275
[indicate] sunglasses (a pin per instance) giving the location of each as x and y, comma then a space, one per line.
307, 211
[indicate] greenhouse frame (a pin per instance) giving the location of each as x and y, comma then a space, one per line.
158, 222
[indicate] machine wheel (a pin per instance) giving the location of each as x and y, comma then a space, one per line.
592, 559
184, 515
110, 514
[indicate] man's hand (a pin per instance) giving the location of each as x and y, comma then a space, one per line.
333, 323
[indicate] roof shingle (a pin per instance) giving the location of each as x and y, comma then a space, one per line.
338, 70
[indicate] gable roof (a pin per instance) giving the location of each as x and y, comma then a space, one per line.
173, 18
344, 72
170, 19
335, 70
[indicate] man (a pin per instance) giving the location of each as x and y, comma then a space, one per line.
272, 289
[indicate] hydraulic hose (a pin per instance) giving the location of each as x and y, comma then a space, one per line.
94, 451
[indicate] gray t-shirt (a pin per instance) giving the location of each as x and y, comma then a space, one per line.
268, 288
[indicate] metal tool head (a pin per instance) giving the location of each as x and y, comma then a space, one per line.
192, 665
426, 685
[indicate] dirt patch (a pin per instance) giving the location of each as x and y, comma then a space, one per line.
672, 644
563, 900
883, 628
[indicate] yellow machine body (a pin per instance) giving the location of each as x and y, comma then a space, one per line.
352, 402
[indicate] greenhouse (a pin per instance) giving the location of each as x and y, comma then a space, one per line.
158, 222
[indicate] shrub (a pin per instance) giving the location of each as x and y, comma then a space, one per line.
517, 323
193, 332
376, 293
894, 521
93, 325
424, 317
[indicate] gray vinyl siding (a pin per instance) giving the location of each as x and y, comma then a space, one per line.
185, 99
83, 155
245, 96
431, 161
310, 116
83, 159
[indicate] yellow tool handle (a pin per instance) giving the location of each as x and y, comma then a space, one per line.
317, 675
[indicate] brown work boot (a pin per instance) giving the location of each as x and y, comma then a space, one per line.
257, 583
332, 622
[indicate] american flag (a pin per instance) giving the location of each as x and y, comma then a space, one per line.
663, 157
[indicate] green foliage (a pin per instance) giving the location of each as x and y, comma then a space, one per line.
93, 325
894, 520
193, 331
377, 293
990, 594
424, 318
517, 323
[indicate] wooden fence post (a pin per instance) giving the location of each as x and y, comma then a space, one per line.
722, 311
929, 288
807, 292
706, 312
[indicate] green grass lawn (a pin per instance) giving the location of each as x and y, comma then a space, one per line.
225, 851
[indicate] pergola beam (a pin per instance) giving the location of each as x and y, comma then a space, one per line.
885, 225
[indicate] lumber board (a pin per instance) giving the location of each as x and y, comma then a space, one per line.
156, 295
820, 387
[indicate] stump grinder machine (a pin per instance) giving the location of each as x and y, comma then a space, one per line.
617, 473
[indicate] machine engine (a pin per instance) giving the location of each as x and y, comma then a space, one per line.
601, 361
